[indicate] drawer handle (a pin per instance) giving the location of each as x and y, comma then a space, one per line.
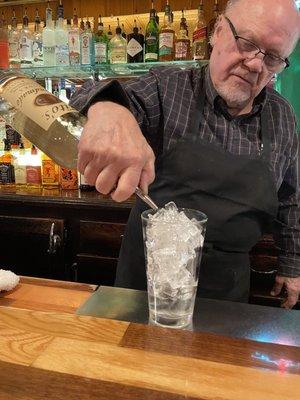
54, 241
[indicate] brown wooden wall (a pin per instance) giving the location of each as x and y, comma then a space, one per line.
92, 8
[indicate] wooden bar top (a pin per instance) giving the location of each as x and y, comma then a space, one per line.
55, 354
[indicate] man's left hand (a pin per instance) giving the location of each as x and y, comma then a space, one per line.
292, 287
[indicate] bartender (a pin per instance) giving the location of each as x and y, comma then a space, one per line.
213, 139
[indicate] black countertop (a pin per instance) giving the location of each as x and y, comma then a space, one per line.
247, 321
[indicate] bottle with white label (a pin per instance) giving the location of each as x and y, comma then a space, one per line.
53, 126
25, 43
49, 39
37, 42
118, 48
167, 37
135, 46
13, 43
74, 41
87, 45
61, 44
101, 44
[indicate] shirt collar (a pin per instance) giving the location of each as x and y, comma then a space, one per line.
219, 104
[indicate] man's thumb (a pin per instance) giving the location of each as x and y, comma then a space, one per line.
276, 289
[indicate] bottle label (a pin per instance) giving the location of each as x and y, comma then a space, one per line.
100, 53
118, 55
6, 173
25, 49
74, 47
12, 136
62, 54
37, 52
69, 178
200, 34
20, 174
134, 47
49, 172
85, 49
166, 42
14, 50
151, 56
34, 101
181, 49
33, 174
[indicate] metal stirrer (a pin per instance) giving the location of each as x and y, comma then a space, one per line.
145, 198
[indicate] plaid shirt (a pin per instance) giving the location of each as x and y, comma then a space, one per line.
163, 103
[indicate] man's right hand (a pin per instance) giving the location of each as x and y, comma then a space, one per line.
113, 153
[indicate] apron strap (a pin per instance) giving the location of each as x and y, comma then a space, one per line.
265, 134
199, 107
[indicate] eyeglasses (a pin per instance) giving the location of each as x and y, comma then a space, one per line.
246, 47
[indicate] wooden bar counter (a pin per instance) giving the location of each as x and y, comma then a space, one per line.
49, 352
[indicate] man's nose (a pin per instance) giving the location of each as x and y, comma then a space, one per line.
255, 62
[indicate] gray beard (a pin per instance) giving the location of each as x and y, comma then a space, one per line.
234, 97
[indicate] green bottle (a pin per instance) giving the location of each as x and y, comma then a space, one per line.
101, 44
151, 38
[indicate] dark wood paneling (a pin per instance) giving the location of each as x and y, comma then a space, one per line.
95, 270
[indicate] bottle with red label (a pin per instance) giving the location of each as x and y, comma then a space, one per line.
200, 39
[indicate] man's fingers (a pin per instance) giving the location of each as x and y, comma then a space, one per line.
147, 176
291, 299
107, 180
127, 183
276, 288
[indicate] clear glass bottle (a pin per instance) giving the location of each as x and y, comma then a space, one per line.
61, 44
167, 37
135, 46
14, 43
53, 126
37, 42
74, 41
49, 39
101, 44
200, 36
118, 47
25, 43
151, 37
87, 45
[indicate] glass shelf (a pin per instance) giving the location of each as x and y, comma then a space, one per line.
103, 71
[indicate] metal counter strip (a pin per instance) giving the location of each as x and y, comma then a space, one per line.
259, 323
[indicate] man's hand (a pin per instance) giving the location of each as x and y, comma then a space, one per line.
292, 287
113, 153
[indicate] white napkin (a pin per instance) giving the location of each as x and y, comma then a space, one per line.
8, 280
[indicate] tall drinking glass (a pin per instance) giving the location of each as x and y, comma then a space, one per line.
173, 252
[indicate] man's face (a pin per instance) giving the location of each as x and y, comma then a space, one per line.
237, 79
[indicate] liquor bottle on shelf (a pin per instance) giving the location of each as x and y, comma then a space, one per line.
74, 41
33, 169
81, 26
152, 37
68, 178
183, 43
42, 118
101, 44
167, 37
109, 33
2, 133
60, 11
37, 42
211, 25
200, 36
13, 43
84, 186
118, 47
49, 39
87, 45
50, 172
123, 32
135, 46
61, 44
13, 137
20, 167
25, 43
7, 174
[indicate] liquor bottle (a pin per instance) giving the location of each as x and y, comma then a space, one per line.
118, 47
20, 167
109, 33
200, 36
13, 43
2, 133
37, 42
135, 46
13, 137
87, 45
42, 118
123, 32
167, 37
74, 41
7, 175
151, 37
50, 172
211, 25
81, 26
60, 11
33, 169
25, 43
84, 186
101, 44
49, 39
183, 43
68, 178
61, 44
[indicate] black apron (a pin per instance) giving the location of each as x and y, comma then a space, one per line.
236, 192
